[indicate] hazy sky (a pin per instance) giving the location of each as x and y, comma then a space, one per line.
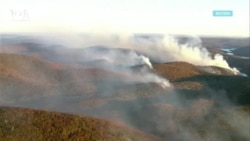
146, 16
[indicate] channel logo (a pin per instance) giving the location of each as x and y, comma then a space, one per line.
222, 13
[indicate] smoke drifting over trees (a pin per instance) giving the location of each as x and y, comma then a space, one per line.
131, 79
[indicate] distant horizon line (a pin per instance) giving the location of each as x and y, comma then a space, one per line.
135, 34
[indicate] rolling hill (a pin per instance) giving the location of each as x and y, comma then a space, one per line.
26, 124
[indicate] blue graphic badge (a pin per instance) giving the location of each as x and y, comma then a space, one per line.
222, 13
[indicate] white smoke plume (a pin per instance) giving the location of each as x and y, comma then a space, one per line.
122, 62
162, 50
117, 57
192, 52
168, 50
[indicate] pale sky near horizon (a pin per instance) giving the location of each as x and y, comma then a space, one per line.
128, 16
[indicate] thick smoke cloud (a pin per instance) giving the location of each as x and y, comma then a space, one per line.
120, 61
194, 53
123, 61
160, 50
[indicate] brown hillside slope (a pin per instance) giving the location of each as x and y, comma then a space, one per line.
179, 70
22, 77
27, 124
33, 69
29, 69
176, 70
